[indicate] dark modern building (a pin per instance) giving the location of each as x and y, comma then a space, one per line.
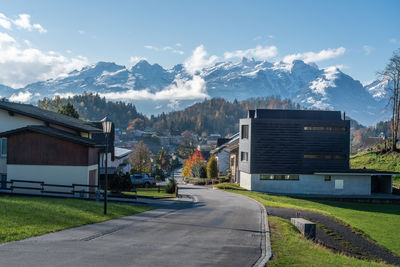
302, 152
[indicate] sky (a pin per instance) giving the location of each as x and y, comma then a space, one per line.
47, 39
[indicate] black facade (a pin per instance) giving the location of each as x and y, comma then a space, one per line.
293, 142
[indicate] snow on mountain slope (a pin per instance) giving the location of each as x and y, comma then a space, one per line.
154, 89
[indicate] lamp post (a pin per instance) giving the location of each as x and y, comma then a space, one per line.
107, 125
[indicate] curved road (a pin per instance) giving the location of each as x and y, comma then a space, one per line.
216, 229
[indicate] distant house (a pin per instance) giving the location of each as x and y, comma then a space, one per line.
41, 146
120, 163
223, 153
302, 152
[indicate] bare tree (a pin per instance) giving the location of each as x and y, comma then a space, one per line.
140, 158
392, 75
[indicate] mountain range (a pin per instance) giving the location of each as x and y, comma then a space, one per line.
154, 89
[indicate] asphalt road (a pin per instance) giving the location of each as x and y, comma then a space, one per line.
217, 229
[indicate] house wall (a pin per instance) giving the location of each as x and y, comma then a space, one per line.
279, 145
309, 184
38, 149
62, 175
246, 180
223, 161
10, 122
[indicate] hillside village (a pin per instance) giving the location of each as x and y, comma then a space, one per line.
199, 133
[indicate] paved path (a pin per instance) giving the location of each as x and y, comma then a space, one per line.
220, 229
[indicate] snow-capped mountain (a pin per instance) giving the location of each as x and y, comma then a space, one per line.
154, 89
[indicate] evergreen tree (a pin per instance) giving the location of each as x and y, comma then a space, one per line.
212, 168
68, 110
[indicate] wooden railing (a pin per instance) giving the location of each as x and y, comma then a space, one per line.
45, 188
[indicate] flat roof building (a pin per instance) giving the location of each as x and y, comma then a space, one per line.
302, 152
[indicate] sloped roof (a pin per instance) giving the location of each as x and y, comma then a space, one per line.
234, 138
121, 152
52, 132
49, 116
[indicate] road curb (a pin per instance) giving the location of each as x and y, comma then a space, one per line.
266, 251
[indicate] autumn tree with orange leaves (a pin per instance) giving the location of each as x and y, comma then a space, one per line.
196, 158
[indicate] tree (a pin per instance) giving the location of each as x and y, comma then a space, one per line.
140, 158
163, 160
68, 110
391, 74
136, 124
212, 168
190, 162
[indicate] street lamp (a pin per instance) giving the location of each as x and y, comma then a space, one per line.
107, 124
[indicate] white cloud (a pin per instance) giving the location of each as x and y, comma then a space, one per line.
5, 22
394, 41
21, 66
260, 52
257, 38
271, 36
136, 59
368, 49
21, 97
308, 57
28, 43
180, 89
178, 44
81, 32
165, 48
199, 60
24, 22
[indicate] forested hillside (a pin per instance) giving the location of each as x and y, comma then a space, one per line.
94, 108
216, 115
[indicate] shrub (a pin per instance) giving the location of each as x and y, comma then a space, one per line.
212, 168
199, 170
120, 182
170, 187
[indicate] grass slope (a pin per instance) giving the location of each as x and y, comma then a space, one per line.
381, 222
150, 192
290, 248
23, 217
370, 160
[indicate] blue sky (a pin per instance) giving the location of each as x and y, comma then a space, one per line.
359, 36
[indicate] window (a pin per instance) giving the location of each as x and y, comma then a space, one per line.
232, 161
3, 147
3, 181
327, 178
245, 131
279, 177
325, 128
322, 156
339, 184
244, 156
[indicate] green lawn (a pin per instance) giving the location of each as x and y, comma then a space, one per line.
23, 217
290, 248
381, 222
370, 160
150, 192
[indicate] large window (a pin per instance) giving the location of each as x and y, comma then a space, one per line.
244, 156
325, 128
245, 131
324, 156
3, 147
279, 177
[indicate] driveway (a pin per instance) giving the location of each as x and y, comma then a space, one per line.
217, 229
